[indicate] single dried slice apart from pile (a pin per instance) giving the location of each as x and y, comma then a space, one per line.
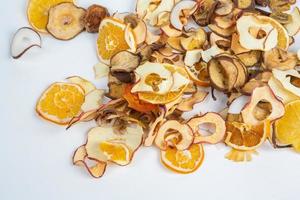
183, 161
61, 102
287, 128
245, 137
65, 21
114, 36
37, 12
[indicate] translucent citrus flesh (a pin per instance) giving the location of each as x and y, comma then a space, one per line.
246, 137
116, 152
61, 101
111, 39
37, 12
287, 128
186, 161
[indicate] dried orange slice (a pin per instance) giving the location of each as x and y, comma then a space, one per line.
60, 102
184, 162
287, 128
170, 96
37, 12
241, 136
114, 36
116, 152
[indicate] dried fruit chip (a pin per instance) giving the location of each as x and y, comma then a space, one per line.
116, 152
61, 102
112, 39
38, 10
93, 17
287, 127
183, 161
294, 26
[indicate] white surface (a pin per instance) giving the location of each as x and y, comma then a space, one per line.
36, 155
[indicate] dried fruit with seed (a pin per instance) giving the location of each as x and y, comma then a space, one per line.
93, 17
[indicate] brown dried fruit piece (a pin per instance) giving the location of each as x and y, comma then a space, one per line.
279, 59
93, 17
279, 5
245, 4
282, 18
204, 12
65, 21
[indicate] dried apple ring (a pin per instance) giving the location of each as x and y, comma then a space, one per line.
262, 94
186, 135
213, 118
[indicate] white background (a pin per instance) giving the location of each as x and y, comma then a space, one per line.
35, 158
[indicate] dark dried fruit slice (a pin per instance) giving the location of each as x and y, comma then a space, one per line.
65, 21
204, 12
93, 17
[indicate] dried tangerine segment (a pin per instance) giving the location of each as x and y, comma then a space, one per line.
61, 102
116, 152
287, 128
65, 21
38, 12
183, 161
114, 36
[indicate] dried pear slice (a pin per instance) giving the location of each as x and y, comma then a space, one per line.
93, 17
65, 21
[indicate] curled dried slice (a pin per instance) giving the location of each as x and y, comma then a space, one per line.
204, 12
186, 135
24, 39
294, 27
188, 103
93, 17
279, 59
158, 7
65, 21
211, 118
224, 7
222, 31
289, 80
245, 4
199, 74
181, 12
262, 94
183, 161
101, 70
92, 100
195, 41
80, 158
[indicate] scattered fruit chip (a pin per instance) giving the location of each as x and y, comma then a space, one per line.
37, 12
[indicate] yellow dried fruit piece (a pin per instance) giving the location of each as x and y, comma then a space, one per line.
38, 12
113, 37
60, 102
287, 128
116, 152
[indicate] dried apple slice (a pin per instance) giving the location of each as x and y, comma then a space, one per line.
245, 4
214, 39
262, 94
236, 47
195, 41
186, 135
188, 103
180, 13
288, 79
224, 7
204, 12
284, 95
212, 118
142, 6
210, 53
80, 158
65, 21
132, 138
170, 31
250, 58
92, 100
294, 27
248, 41
153, 77
198, 73
162, 6
221, 31
86, 85
279, 59
24, 39
101, 70
192, 57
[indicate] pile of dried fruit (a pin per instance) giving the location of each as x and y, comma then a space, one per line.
159, 62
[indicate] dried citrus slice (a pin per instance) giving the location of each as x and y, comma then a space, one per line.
174, 93
245, 137
114, 36
184, 162
287, 128
116, 152
38, 12
60, 102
